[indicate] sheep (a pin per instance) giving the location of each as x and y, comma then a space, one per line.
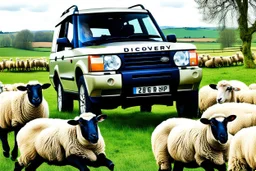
226, 90
77, 142
245, 112
159, 140
207, 97
218, 61
252, 86
240, 58
242, 150
203, 143
210, 63
226, 61
19, 107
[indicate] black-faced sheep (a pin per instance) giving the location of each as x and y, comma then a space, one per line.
76, 142
201, 144
19, 107
242, 150
245, 112
159, 140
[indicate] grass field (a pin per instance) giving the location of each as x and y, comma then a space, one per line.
126, 132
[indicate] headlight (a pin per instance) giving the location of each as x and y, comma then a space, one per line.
185, 58
104, 63
111, 62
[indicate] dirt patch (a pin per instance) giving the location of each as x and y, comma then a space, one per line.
41, 44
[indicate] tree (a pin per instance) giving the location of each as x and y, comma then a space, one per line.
243, 11
6, 41
45, 36
227, 38
23, 40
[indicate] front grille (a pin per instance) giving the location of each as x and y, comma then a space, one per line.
149, 59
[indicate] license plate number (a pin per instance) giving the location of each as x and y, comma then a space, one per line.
151, 89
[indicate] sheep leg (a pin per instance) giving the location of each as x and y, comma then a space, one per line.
207, 165
78, 162
221, 167
15, 148
178, 166
5, 145
18, 167
102, 160
34, 164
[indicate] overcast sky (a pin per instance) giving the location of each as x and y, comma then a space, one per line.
36, 15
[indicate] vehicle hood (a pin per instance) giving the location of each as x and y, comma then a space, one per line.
133, 47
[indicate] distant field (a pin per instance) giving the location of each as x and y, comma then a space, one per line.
192, 32
41, 44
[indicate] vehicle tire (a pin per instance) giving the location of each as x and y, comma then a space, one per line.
187, 104
145, 108
85, 104
64, 101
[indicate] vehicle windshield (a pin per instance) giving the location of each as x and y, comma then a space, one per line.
113, 27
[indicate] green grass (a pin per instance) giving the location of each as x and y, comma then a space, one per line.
13, 52
126, 132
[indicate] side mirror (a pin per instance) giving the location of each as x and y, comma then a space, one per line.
171, 38
64, 42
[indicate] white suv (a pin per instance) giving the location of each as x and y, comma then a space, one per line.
110, 57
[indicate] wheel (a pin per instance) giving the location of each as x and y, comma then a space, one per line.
187, 104
64, 101
85, 104
145, 108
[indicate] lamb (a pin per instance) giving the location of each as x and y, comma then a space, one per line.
159, 140
77, 142
226, 90
245, 112
203, 143
19, 107
242, 150
207, 97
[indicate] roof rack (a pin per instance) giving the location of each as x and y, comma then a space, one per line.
137, 5
67, 10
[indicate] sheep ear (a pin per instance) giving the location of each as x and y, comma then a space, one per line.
205, 121
236, 89
231, 118
213, 86
73, 122
46, 85
101, 118
22, 88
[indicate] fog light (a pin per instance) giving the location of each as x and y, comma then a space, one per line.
111, 81
195, 74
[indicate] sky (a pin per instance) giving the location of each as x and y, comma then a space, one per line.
34, 15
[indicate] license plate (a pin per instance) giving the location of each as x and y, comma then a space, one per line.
151, 89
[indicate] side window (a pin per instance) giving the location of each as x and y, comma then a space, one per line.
66, 30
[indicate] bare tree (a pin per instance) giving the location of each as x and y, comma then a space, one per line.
244, 13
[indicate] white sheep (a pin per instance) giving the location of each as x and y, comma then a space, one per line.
226, 90
19, 107
203, 143
245, 112
242, 150
207, 97
159, 140
76, 142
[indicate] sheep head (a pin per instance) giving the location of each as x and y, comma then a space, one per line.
88, 127
218, 124
34, 91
